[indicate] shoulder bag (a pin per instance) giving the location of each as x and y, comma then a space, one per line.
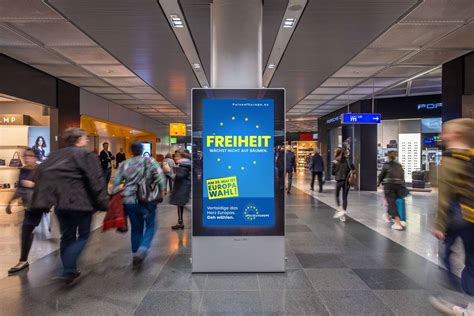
352, 177
147, 191
16, 162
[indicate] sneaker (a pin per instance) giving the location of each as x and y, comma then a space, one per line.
180, 225
342, 219
68, 278
448, 308
21, 265
397, 226
339, 214
404, 223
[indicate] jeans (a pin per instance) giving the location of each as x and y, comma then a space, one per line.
342, 185
143, 226
107, 175
75, 231
170, 181
466, 233
30, 221
319, 174
392, 193
290, 179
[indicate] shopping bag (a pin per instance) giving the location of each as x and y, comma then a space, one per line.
401, 209
43, 230
115, 217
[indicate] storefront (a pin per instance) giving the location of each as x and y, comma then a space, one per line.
23, 124
410, 125
303, 145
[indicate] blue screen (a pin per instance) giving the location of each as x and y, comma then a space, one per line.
238, 169
431, 125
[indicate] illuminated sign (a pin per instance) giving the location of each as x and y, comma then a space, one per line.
360, 118
173, 140
333, 120
429, 106
177, 129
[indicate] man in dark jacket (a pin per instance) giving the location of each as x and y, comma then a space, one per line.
106, 158
72, 182
290, 162
316, 166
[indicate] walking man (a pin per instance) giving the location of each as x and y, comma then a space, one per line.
106, 158
316, 166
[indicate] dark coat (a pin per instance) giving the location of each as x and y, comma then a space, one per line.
392, 172
70, 180
181, 186
341, 169
316, 164
106, 159
290, 161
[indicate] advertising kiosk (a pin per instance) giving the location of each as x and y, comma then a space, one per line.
238, 206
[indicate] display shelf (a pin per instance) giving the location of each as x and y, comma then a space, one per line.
7, 167
7, 190
13, 147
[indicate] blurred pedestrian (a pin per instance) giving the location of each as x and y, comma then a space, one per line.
72, 182
182, 185
316, 166
290, 161
168, 169
106, 158
280, 166
142, 215
341, 169
455, 214
393, 178
120, 158
32, 218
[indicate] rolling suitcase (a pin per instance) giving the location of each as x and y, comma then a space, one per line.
401, 209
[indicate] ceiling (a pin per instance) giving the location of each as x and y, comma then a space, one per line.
339, 51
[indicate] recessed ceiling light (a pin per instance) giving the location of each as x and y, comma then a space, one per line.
196, 66
289, 22
176, 21
271, 66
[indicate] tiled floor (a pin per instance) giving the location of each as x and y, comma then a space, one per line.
333, 268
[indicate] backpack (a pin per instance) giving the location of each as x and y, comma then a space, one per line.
166, 167
147, 191
352, 178
464, 194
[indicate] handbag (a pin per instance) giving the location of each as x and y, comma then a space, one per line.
2, 162
115, 216
16, 162
147, 191
352, 178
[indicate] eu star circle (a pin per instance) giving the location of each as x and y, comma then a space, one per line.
251, 212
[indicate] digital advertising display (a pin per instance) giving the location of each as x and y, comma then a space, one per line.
238, 149
236, 134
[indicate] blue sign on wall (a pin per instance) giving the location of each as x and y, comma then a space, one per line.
360, 118
238, 170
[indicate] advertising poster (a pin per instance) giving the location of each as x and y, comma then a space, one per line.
238, 172
146, 150
39, 140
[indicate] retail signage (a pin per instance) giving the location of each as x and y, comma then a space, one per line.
333, 120
238, 182
306, 136
173, 140
14, 119
177, 129
429, 106
360, 118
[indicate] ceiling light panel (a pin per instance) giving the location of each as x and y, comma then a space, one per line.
402, 71
434, 57
312, 102
348, 97
32, 55
319, 97
363, 91
380, 82
289, 22
378, 57
129, 102
102, 90
341, 82
116, 96
412, 36
138, 90
357, 71
324, 90
109, 70
442, 11
426, 82
125, 81
65, 70
55, 33
85, 82
148, 96
86, 55
461, 38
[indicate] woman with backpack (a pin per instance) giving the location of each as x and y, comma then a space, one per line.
393, 178
142, 215
168, 170
182, 185
341, 169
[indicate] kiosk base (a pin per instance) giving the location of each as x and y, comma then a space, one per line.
238, 254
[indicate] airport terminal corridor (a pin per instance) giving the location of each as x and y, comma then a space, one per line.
333, 268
